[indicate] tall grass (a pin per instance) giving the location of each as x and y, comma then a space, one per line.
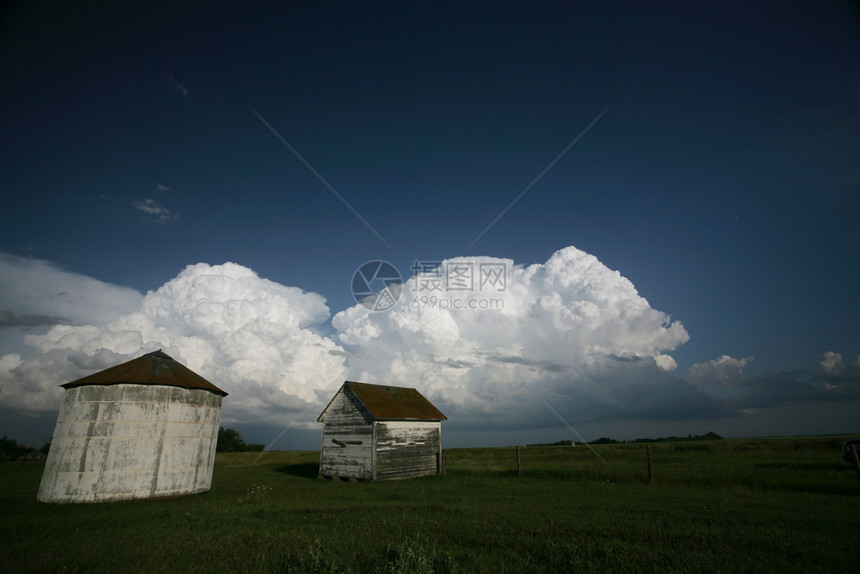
767, 505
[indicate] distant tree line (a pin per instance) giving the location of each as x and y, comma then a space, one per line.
707, 436
11, 450
607, 440
229, 440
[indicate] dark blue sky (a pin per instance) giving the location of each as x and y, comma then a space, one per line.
722, 181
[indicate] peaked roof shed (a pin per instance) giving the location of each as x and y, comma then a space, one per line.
377, 432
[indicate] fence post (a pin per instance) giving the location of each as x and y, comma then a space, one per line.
648, 454
518, 461
856, 460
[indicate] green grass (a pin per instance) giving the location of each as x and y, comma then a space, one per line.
763, 505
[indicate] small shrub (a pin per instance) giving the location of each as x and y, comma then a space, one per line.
312, 561
256, 493
411, 557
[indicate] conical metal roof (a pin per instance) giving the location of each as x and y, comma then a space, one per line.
156, 368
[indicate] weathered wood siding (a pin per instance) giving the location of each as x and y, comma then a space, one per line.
347, 439
405, 449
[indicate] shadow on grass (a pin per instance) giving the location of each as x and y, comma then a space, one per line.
304, 470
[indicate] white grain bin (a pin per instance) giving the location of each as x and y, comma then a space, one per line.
143, 429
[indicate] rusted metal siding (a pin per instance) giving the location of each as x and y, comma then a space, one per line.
406, 449
127, 441
347, 439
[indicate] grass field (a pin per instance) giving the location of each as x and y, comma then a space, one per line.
754, 505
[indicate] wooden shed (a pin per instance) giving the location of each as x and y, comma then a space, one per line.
379, 432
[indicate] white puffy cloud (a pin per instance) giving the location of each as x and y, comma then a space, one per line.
493, 339
832, 365
722, 370
248, 335
494, 344
498, 338
838, 376
734, 393
666, 362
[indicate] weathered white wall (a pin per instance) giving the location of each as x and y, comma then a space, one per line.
405, 449
124, 441
347, 440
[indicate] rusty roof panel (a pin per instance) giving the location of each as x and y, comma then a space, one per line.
156, 368
385, 402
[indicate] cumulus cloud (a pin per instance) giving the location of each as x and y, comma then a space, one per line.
724, 370
494, 344
493, 339
152, 210
734, 393
250, 336
838, 376
832, 365
493, 350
